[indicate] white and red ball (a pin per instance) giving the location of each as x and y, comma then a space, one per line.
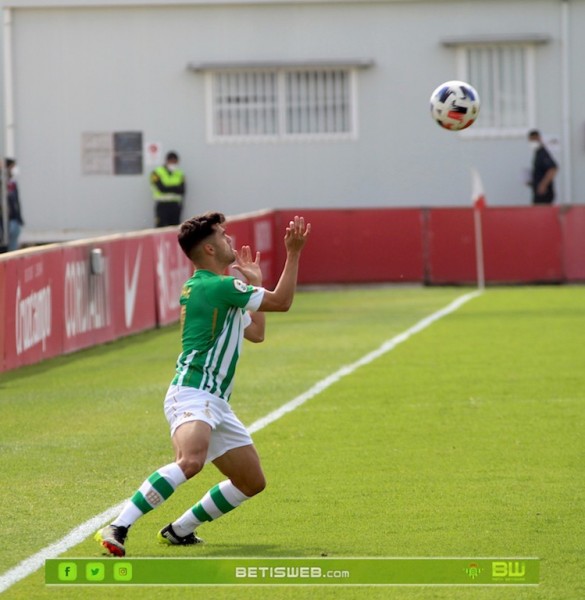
455, 105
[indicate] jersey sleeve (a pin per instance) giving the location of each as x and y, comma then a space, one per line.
256, 299
236, 292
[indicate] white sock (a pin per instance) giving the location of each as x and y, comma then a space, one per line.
218, 501
153, 492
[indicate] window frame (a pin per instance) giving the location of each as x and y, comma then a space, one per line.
281, 135
529, 54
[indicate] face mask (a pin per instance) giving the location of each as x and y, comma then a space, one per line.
14, 172
534, 145
172, 167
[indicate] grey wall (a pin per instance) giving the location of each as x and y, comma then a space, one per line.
120, 69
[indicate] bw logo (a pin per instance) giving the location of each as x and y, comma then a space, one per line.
508, 569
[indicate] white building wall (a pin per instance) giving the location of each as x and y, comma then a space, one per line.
125, 69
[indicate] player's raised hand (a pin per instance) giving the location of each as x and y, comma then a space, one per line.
248, 267
296, 234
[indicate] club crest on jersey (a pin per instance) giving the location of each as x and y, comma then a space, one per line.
240, 285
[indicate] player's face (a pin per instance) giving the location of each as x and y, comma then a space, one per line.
223, 246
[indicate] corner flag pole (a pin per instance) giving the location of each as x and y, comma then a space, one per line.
479, 204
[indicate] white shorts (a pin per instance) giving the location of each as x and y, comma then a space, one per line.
184, 404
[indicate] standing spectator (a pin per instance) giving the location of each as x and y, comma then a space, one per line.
15, 221
168, 191
544, 170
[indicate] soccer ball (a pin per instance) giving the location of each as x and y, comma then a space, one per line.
455, 105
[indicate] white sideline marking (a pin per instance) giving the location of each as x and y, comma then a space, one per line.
77, 535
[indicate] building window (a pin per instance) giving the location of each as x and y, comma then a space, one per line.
318, 102
281, 104
503, 74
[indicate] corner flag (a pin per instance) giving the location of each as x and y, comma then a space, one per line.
477, 191
479, 204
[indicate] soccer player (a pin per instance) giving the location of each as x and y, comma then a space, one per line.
217, 312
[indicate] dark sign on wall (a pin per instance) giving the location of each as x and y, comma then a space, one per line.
106, 153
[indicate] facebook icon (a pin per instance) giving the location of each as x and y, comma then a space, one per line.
67, 571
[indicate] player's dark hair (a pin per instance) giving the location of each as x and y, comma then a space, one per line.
196, 229
172, 156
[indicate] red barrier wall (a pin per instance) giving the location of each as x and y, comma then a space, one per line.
87, 311
451, 246
520, 245
171, 269
32, 307
358, 245
574, 242
132, 284
2, 313
51, 301
265, 240
118, 301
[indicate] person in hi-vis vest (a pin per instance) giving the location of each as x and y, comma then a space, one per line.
168, 191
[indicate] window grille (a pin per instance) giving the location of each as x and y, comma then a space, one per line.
503, 74
272, 104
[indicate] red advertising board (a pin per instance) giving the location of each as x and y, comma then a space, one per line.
451, 246
263, 241
573, 219
522, 244
132, 284
33, 285
62, 298
2, 315
87, 306
171, 269
358, 245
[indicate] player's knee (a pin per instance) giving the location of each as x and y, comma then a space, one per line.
261, 485
253, 486
191, 465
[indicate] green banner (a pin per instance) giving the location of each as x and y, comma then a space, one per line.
293, 571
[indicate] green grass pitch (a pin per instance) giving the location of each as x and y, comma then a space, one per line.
467, 440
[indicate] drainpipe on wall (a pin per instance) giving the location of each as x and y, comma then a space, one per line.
566, 167
8, 111
8, 86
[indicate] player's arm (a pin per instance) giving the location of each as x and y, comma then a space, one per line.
281, 298
256, 329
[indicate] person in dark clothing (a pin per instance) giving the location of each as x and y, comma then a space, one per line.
168, 190
15, 220
544, 170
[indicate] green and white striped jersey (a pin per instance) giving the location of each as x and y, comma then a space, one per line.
213, 318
